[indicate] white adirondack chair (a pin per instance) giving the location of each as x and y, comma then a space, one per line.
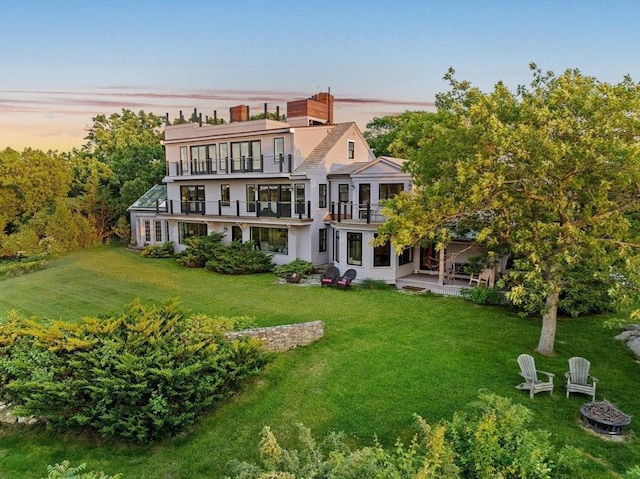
578, 378
530, 374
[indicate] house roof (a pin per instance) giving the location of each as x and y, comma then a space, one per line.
320, 152
361, 166
156, 196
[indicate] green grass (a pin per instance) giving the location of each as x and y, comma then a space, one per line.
385, 356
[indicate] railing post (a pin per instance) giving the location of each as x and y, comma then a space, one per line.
289, 164
219, 207
237, 207
308, 209
171, 206
257, 209
368, 212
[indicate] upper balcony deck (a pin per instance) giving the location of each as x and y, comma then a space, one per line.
267, 165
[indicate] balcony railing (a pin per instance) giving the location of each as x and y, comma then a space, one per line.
361, 213
230, 165
252, 209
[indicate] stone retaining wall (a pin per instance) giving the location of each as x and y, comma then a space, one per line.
283, 338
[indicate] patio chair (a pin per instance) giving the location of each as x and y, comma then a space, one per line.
330, 276
345, 280
530, 374
578, 378
485, 277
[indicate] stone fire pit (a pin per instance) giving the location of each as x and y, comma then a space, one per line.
605, 418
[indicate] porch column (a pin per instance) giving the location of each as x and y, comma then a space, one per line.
441, 267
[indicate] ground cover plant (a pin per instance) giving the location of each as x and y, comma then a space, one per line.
384, 357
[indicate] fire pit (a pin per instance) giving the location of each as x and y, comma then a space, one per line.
604, 417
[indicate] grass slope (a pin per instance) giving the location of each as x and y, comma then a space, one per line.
384, 357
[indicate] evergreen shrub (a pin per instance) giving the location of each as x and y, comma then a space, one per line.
141, 375
239, 258
297, 266
164, 250
482, 295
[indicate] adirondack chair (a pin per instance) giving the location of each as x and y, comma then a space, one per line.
530, 374
330, 276
578, 378
485, 277
345, 280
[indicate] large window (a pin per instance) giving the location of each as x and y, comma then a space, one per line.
189, 230
351, 149
389, 190
251, 198
354, 248
147, 231
184, 159
224, 156
275, 200
406, 256
382, 255
322, 240
246, 156
278, 149
271, 240
299, 192
192, 199
158, 226
343, 193
225, 194
322, 195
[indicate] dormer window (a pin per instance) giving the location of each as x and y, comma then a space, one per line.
351, 149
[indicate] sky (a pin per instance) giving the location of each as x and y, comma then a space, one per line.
63, 62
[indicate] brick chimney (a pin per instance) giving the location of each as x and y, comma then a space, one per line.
317, 109
239, 113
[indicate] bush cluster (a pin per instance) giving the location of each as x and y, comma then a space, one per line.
489, 440
297, 266
11, 269
234, 258
482, 295
164, 250
141, 375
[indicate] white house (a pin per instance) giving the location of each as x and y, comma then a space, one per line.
302, 188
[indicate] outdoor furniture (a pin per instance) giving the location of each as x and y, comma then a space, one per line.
330, 276
345, 280
485, 277
578, 378
530, 374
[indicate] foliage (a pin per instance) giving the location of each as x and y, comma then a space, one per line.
397, 135
490, 440
239, 258
9, 270
144, 374
482, 295
297, 266
164, 250
66, 471
368, 283
122, 230
24, 242
549, 173
200, 249
69, 231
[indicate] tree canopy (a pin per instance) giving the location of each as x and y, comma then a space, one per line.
550, 173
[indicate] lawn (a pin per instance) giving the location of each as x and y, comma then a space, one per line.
384, 357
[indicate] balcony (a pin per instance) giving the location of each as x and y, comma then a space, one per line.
357, 213
241, 209
231, 166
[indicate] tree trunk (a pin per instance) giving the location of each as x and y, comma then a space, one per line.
549, 320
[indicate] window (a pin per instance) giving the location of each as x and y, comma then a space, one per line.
351, 149
406, 256
147, 231
389, 190
364, 198
236, 233
322, 195
382, 255
192, 199
275, 200
158, 226
189, 230
336, 248
322, 240
246, 156
278, 150
273, 240
343, 193
199, 159
224, 156
299, 195
354, 248
225, 194
184, 159
251, 198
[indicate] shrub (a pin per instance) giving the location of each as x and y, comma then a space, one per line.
297, 266
164, 250
369, 283
482, 295
66, 471
12, 269
200, 249
141, 375
489, 440
239, 258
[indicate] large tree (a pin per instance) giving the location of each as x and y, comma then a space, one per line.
551, 172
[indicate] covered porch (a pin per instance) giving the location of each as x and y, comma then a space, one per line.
422, 282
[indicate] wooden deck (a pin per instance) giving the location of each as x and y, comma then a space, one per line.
418, 282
